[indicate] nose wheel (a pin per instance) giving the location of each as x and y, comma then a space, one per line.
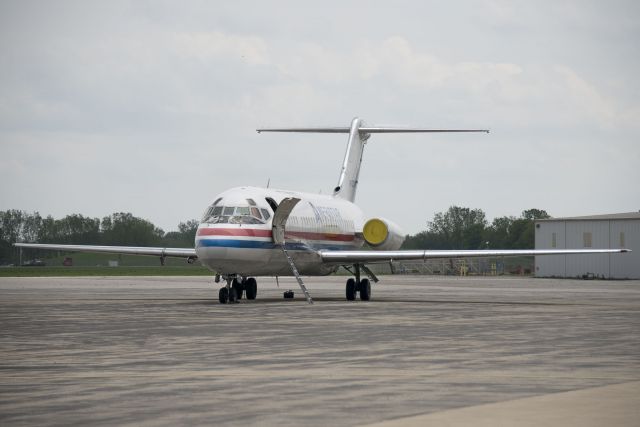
234, 289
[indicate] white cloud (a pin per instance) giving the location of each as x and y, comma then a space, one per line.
586, 99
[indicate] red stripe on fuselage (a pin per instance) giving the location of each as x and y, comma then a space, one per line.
321, 236
236, 232
252, 232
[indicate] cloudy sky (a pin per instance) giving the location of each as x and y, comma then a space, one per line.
151, 107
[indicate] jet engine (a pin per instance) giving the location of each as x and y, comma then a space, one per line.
382, 234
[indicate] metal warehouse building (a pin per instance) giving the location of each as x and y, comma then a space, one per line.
599, 232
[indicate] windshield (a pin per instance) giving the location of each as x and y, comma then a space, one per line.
235, 215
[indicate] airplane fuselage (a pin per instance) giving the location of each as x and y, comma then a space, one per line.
235, 234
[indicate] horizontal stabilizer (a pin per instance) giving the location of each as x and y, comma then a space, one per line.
368, 129
359, 134
378, 129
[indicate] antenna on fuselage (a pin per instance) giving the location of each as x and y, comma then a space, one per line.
358, 136
268, 182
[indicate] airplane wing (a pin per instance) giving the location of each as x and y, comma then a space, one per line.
351, 257
129, 250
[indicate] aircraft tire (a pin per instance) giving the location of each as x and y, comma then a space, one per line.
251, 288
351, 289
223, 296
237, 285
365, 290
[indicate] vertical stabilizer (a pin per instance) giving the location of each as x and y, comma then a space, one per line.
348, 181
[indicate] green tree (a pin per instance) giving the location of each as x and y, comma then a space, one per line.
464, 228
497, 234
11, 225
77, 229
533, 214
125, 229
459, 228
188, 229
424, 240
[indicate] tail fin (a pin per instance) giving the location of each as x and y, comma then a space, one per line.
358, 136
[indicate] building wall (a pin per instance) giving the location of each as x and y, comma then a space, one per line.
625, 266
597, 234
550, 266
577, 265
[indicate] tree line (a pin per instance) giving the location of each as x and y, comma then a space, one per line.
116, 229
465, 228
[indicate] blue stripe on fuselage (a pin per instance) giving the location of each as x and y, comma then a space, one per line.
258, 244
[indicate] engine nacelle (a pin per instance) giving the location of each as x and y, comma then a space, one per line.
382, 234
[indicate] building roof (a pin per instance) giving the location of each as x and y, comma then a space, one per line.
625, 215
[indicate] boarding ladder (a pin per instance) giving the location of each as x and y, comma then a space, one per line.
278, 226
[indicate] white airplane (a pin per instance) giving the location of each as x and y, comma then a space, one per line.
249, 231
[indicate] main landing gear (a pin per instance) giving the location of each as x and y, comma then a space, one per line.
355, 285
235, 287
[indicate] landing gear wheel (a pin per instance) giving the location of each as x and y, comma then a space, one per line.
365, 290
251, 288
237, 286
351, 289
223, 295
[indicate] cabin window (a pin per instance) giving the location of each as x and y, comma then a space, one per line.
586, 239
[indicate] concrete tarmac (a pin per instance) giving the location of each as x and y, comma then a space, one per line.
425, 351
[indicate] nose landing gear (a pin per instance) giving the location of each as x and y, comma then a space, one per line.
234, 288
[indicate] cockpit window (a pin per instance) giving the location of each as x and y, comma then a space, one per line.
235, 215
242, 211
265, 214
207, 214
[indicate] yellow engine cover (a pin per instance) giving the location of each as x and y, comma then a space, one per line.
375, 232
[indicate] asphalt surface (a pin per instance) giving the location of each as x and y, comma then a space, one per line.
163, 351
